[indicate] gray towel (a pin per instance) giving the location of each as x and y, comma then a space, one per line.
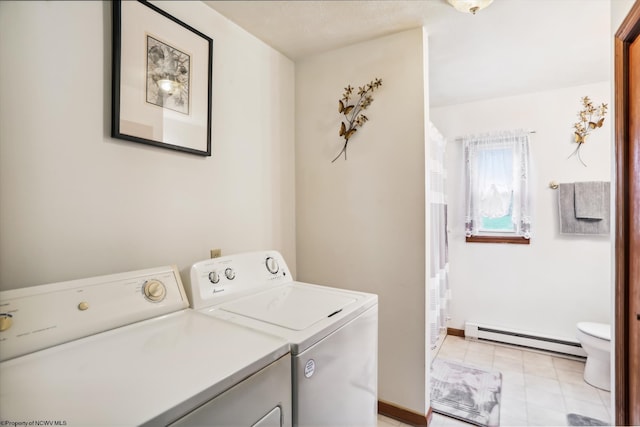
589, 200
569, 224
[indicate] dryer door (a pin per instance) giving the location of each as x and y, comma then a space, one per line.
263, 399
272, 419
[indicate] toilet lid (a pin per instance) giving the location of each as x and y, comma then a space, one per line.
598, 330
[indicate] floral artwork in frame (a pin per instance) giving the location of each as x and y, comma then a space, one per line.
162, 79
167, 76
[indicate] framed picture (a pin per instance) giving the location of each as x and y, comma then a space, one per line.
161, 79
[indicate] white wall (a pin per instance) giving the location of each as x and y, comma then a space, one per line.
557, 280
360, 222
619, 10
75, 203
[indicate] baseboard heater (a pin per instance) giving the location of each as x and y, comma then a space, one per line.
496, 334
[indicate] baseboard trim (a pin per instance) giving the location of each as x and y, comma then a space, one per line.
404, 415
455, 332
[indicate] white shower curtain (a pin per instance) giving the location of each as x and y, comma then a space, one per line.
439, 292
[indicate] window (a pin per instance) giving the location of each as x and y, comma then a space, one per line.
497, 196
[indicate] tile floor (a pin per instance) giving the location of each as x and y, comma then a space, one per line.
537, 389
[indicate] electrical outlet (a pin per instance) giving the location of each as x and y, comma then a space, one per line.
216, 253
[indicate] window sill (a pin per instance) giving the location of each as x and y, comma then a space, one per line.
498, 239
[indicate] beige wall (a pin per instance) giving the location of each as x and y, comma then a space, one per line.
75, 203
361, 222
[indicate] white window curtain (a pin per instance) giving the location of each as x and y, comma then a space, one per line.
497, 182
439, 292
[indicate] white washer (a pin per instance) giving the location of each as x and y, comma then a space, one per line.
124, 350
333, 332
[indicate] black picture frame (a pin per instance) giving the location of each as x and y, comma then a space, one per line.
162, 79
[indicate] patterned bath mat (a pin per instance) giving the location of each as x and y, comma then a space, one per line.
581, 420
465, 392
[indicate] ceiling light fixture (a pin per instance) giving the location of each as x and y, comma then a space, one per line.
469, 6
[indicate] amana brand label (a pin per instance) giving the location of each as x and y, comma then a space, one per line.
309, 368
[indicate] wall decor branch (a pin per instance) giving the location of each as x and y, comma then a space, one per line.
590, 118
352, 112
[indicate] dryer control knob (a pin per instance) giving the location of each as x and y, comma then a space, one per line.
5, 322
214, 277
230, 273
154, 290
272, 265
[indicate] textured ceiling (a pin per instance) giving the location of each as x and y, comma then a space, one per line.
512, 47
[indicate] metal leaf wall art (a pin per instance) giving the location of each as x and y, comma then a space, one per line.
590, 118
353, 117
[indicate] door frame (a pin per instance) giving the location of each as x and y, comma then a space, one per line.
626, 34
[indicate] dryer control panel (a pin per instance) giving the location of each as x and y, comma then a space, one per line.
43, 316
214, 281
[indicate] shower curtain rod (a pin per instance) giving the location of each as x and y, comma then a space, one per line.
460, 138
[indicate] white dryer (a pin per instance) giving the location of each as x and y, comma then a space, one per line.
333, 332
125, 350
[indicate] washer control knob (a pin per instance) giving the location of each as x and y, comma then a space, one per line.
230, 273
154, 290
214, 277
6, 321
272, 265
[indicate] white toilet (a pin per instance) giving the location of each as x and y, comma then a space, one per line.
596, 342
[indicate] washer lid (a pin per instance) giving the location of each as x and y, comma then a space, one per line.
291, 307
598, 330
